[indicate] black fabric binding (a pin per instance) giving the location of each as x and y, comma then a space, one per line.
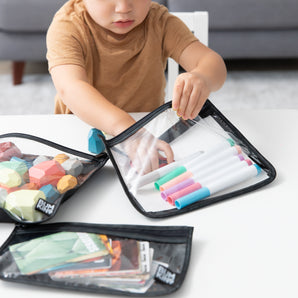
207, 110
100, 159
162, 234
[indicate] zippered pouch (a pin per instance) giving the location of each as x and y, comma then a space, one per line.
213, 161
37, 175
115, 259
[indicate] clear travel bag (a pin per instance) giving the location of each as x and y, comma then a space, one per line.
37, 176
109, 259
168, 165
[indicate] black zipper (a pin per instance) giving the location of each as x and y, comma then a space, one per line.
162, 234
53, 145
139, 124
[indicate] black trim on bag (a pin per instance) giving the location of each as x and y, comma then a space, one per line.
253, 153
161, 234
51, 144
100, 160
136, 126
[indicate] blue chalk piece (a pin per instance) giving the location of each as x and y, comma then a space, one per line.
28, 163
51, 193
95, 143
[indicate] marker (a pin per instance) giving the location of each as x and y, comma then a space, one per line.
177, 187
201, 161
217, 185
183, 192
203, 171
205, 179
155, 175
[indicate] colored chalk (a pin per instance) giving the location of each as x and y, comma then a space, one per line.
61, 157
40, 159
28, 163
73, 167
29, 185
8, 150
66, 183
9, 177
169, 176
50, 192
47, 172
183, 192
3, 195
95, 143
22, 204
8, 189
19, 166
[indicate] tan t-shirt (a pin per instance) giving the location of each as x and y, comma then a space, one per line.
129, 72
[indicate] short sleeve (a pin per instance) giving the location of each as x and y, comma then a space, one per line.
177, 37
64, 44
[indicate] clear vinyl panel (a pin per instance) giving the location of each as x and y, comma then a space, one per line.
100, 262
34, 178
171, 163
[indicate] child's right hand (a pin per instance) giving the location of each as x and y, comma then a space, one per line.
144, 151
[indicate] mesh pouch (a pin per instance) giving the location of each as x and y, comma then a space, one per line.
37, 175
111, 259
213, 161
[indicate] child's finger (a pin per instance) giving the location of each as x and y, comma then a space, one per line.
199, 104
184, 101
166, 148
192, 102
177, 93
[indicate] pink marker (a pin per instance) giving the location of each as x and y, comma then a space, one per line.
228, 180
203, 170
203, 160
196, 156
183, 192
177, 187
203, 180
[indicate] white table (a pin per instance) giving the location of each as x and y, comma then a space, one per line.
245, 247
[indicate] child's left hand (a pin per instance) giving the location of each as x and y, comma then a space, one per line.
144, 151
190, 93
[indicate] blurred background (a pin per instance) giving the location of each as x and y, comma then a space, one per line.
258, 40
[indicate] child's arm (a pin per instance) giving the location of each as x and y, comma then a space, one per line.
93, 108
206, 72
86, 102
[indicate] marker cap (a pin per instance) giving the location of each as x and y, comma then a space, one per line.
176, 188
176, 180
183, 192
169, 176
232, 143
259, 169
192, 197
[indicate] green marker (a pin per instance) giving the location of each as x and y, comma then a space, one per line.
180, 170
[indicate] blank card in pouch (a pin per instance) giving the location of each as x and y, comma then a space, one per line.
37, 175
212, 161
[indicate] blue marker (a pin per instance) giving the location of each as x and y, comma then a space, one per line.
219, 184
198, 156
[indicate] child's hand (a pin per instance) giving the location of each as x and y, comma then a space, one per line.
190, 93
144, 151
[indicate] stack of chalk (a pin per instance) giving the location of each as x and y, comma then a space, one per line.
184, 183
31, 185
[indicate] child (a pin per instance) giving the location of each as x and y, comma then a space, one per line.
107, 58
